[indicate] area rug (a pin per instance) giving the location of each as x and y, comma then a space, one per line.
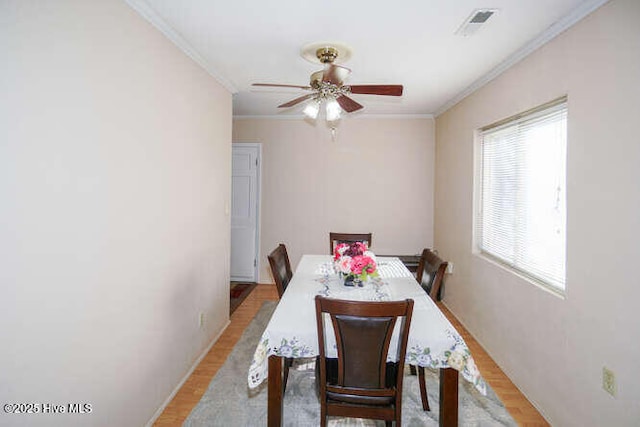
229, 402
238, 292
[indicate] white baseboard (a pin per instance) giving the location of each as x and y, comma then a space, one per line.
184, 379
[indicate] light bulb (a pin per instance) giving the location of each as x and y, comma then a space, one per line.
333, 110
312, 109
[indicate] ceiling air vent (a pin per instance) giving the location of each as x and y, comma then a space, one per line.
476, 20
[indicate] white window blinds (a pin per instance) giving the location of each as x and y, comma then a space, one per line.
521, 214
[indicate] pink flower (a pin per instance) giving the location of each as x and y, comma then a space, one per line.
355, 258
361, 263
371, 265
344, 264
356, 264
339, 250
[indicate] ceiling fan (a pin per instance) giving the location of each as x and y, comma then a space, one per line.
328, 85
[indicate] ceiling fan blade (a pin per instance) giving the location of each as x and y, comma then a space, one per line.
296, 101
335, 74
348, 104
277, 85
390, 90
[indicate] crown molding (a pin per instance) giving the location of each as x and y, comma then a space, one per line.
270, 117
546, 36
144, 10
161, 25
358, 117
393, 116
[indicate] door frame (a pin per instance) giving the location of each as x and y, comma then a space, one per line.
258, 146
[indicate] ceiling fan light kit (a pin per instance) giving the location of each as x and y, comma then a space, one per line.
312, 109
327, 85
333, 110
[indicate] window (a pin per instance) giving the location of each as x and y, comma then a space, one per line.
521, 210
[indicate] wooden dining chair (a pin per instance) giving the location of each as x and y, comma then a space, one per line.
282, 274
280, 268
361, 383
430, 274
335, 238
431, 270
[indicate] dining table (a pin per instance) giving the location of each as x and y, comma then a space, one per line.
292, 331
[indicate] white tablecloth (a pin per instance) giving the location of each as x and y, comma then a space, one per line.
291, 332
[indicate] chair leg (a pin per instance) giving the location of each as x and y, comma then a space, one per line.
412, 369
323, 416
423, 389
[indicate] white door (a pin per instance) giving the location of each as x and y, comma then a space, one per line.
244, 212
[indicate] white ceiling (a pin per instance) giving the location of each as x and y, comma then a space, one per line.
408, 42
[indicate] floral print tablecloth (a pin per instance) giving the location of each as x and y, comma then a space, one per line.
291, 332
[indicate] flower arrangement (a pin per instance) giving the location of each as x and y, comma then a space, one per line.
355, 261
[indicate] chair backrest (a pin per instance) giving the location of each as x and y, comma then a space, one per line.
280, 268
431, 270
335, 238
363, 333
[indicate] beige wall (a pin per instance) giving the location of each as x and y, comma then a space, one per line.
377, 176
552, 348
114, 171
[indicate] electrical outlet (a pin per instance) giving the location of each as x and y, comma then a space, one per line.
609, 381
201, 320
449, 268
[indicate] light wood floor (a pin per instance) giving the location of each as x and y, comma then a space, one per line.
189, 395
